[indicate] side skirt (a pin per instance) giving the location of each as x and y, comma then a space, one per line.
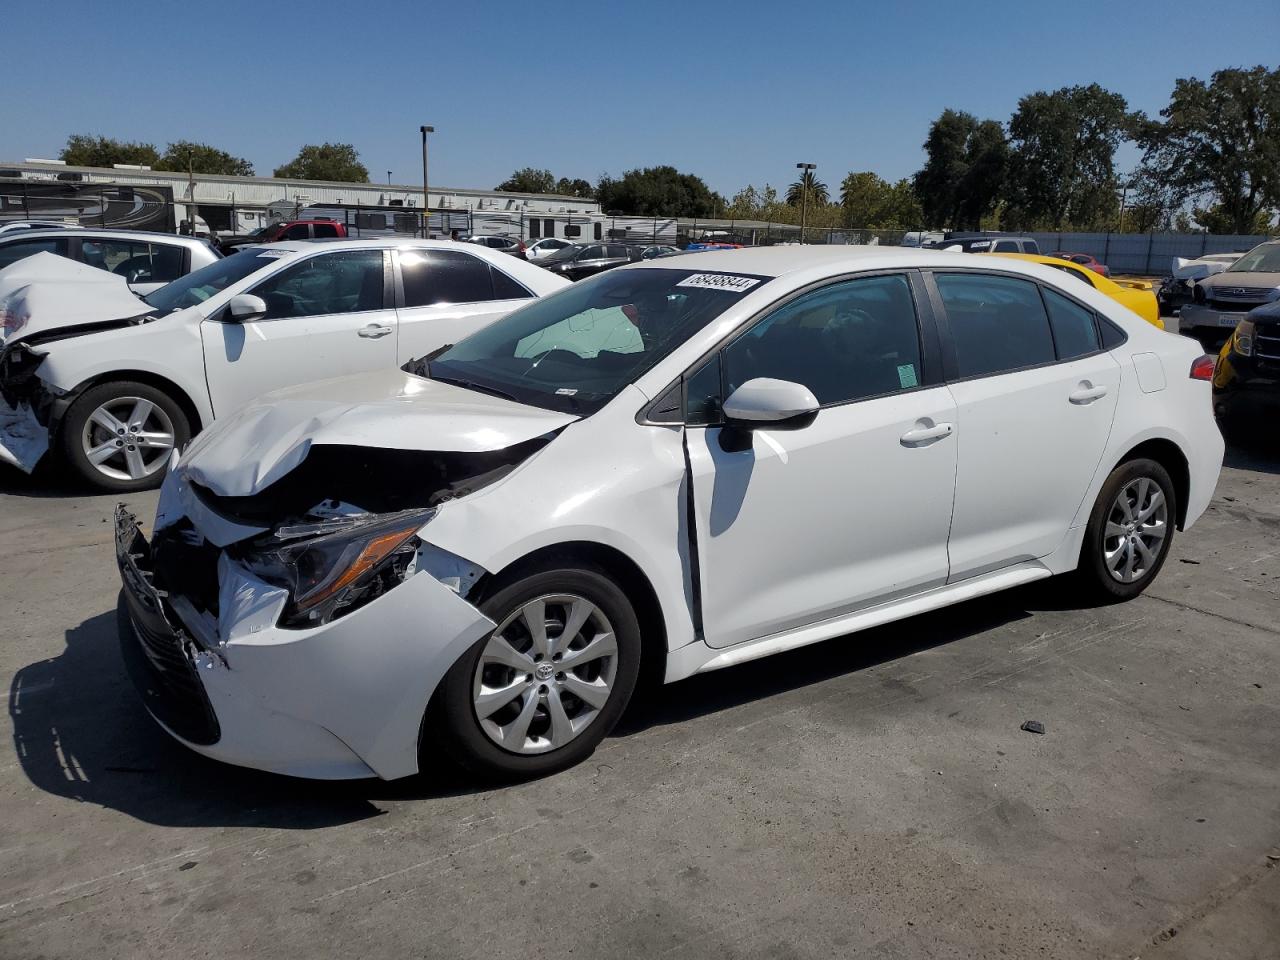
700, 658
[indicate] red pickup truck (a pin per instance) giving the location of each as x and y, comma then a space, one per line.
287, 230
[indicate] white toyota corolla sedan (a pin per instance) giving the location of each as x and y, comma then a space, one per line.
673, 467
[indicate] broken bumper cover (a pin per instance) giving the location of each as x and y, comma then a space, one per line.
339, 701
23, 438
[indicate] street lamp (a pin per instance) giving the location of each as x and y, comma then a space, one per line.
388, 178
804, 169
426, 196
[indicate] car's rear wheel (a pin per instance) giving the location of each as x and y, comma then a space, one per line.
119, 436
1130, 530
541, 691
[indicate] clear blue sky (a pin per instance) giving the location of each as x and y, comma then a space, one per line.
734, 91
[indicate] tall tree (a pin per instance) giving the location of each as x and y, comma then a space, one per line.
84, 150
810, 185
575, 188
202, 158
867, 200
328, 161
964, 171
1062, 168
658, 191
529, 180
1220, 140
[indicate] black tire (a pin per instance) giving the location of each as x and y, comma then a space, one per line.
452, 722
1094, 575
77, 416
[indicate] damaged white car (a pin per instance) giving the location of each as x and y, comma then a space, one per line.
116, 382
669, 468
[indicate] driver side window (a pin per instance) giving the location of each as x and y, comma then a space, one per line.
849, 341
347, 282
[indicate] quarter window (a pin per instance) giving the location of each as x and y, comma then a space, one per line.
347, 282
848, 341
1074, 332
997, 323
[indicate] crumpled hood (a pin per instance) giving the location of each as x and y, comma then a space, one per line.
251, 449
46, 292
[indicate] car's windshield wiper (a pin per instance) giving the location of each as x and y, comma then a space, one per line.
478, 387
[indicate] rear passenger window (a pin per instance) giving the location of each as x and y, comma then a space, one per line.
166, 263
1074, 333
444, 276
997, 323
329, 230
848, 341
297, 232
504, 288
1005, 246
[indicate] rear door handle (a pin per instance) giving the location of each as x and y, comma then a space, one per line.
1087, 394
373, 331
922, 435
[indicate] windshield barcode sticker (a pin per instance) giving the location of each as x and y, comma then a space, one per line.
719, 281
273, 254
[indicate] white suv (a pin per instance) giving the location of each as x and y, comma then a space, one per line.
121, 395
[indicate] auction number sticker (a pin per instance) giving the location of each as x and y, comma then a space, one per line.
273, 254
719, 281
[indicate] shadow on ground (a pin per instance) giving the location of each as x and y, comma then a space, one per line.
81, 732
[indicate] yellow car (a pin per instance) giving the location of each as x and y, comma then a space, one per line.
1134, 294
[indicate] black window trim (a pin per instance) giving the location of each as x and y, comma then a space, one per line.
951, 364
927, 335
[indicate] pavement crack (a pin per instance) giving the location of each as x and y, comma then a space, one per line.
1213, 613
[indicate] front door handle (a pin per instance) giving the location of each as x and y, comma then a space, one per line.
1087, 394
373, 331
922, 435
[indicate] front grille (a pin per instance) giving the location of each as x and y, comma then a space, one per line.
1266, 342
157, 656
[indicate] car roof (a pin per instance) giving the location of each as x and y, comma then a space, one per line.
139, 235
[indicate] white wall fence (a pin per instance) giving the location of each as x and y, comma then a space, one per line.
1144, 253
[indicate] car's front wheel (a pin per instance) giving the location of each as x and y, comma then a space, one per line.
119, 436
542, 690
1130, 530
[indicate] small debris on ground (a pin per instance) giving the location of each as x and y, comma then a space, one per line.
1033, 726
1188, 560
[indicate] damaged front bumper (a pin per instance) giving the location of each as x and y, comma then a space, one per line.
24, 408
342, 700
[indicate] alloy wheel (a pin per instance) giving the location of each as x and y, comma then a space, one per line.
545, 674
1137, 524
128, 438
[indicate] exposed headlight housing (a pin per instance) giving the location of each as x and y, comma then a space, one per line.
335, 566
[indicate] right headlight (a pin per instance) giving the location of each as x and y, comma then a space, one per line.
335, 566
1243, 338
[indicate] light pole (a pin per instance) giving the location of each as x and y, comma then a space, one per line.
388, 178
426, 195
805, 169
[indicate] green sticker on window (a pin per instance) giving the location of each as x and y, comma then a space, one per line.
907, 376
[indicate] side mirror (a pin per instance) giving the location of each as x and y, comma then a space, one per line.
776, 404
245, 307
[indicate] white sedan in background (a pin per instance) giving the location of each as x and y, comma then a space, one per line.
537, 249
119, 382
674, 466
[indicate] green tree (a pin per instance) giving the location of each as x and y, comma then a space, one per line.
203, 158
329, 161
575, 188
529, 180
964, 172
84, 150
867, 200
658, 191
1221, 218
1062, 166
1220, 140
808, 184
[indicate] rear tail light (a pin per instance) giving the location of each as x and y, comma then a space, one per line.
1202, 368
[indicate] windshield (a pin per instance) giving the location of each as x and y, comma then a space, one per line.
1263, 259
564, 253
199, 285
575, 350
